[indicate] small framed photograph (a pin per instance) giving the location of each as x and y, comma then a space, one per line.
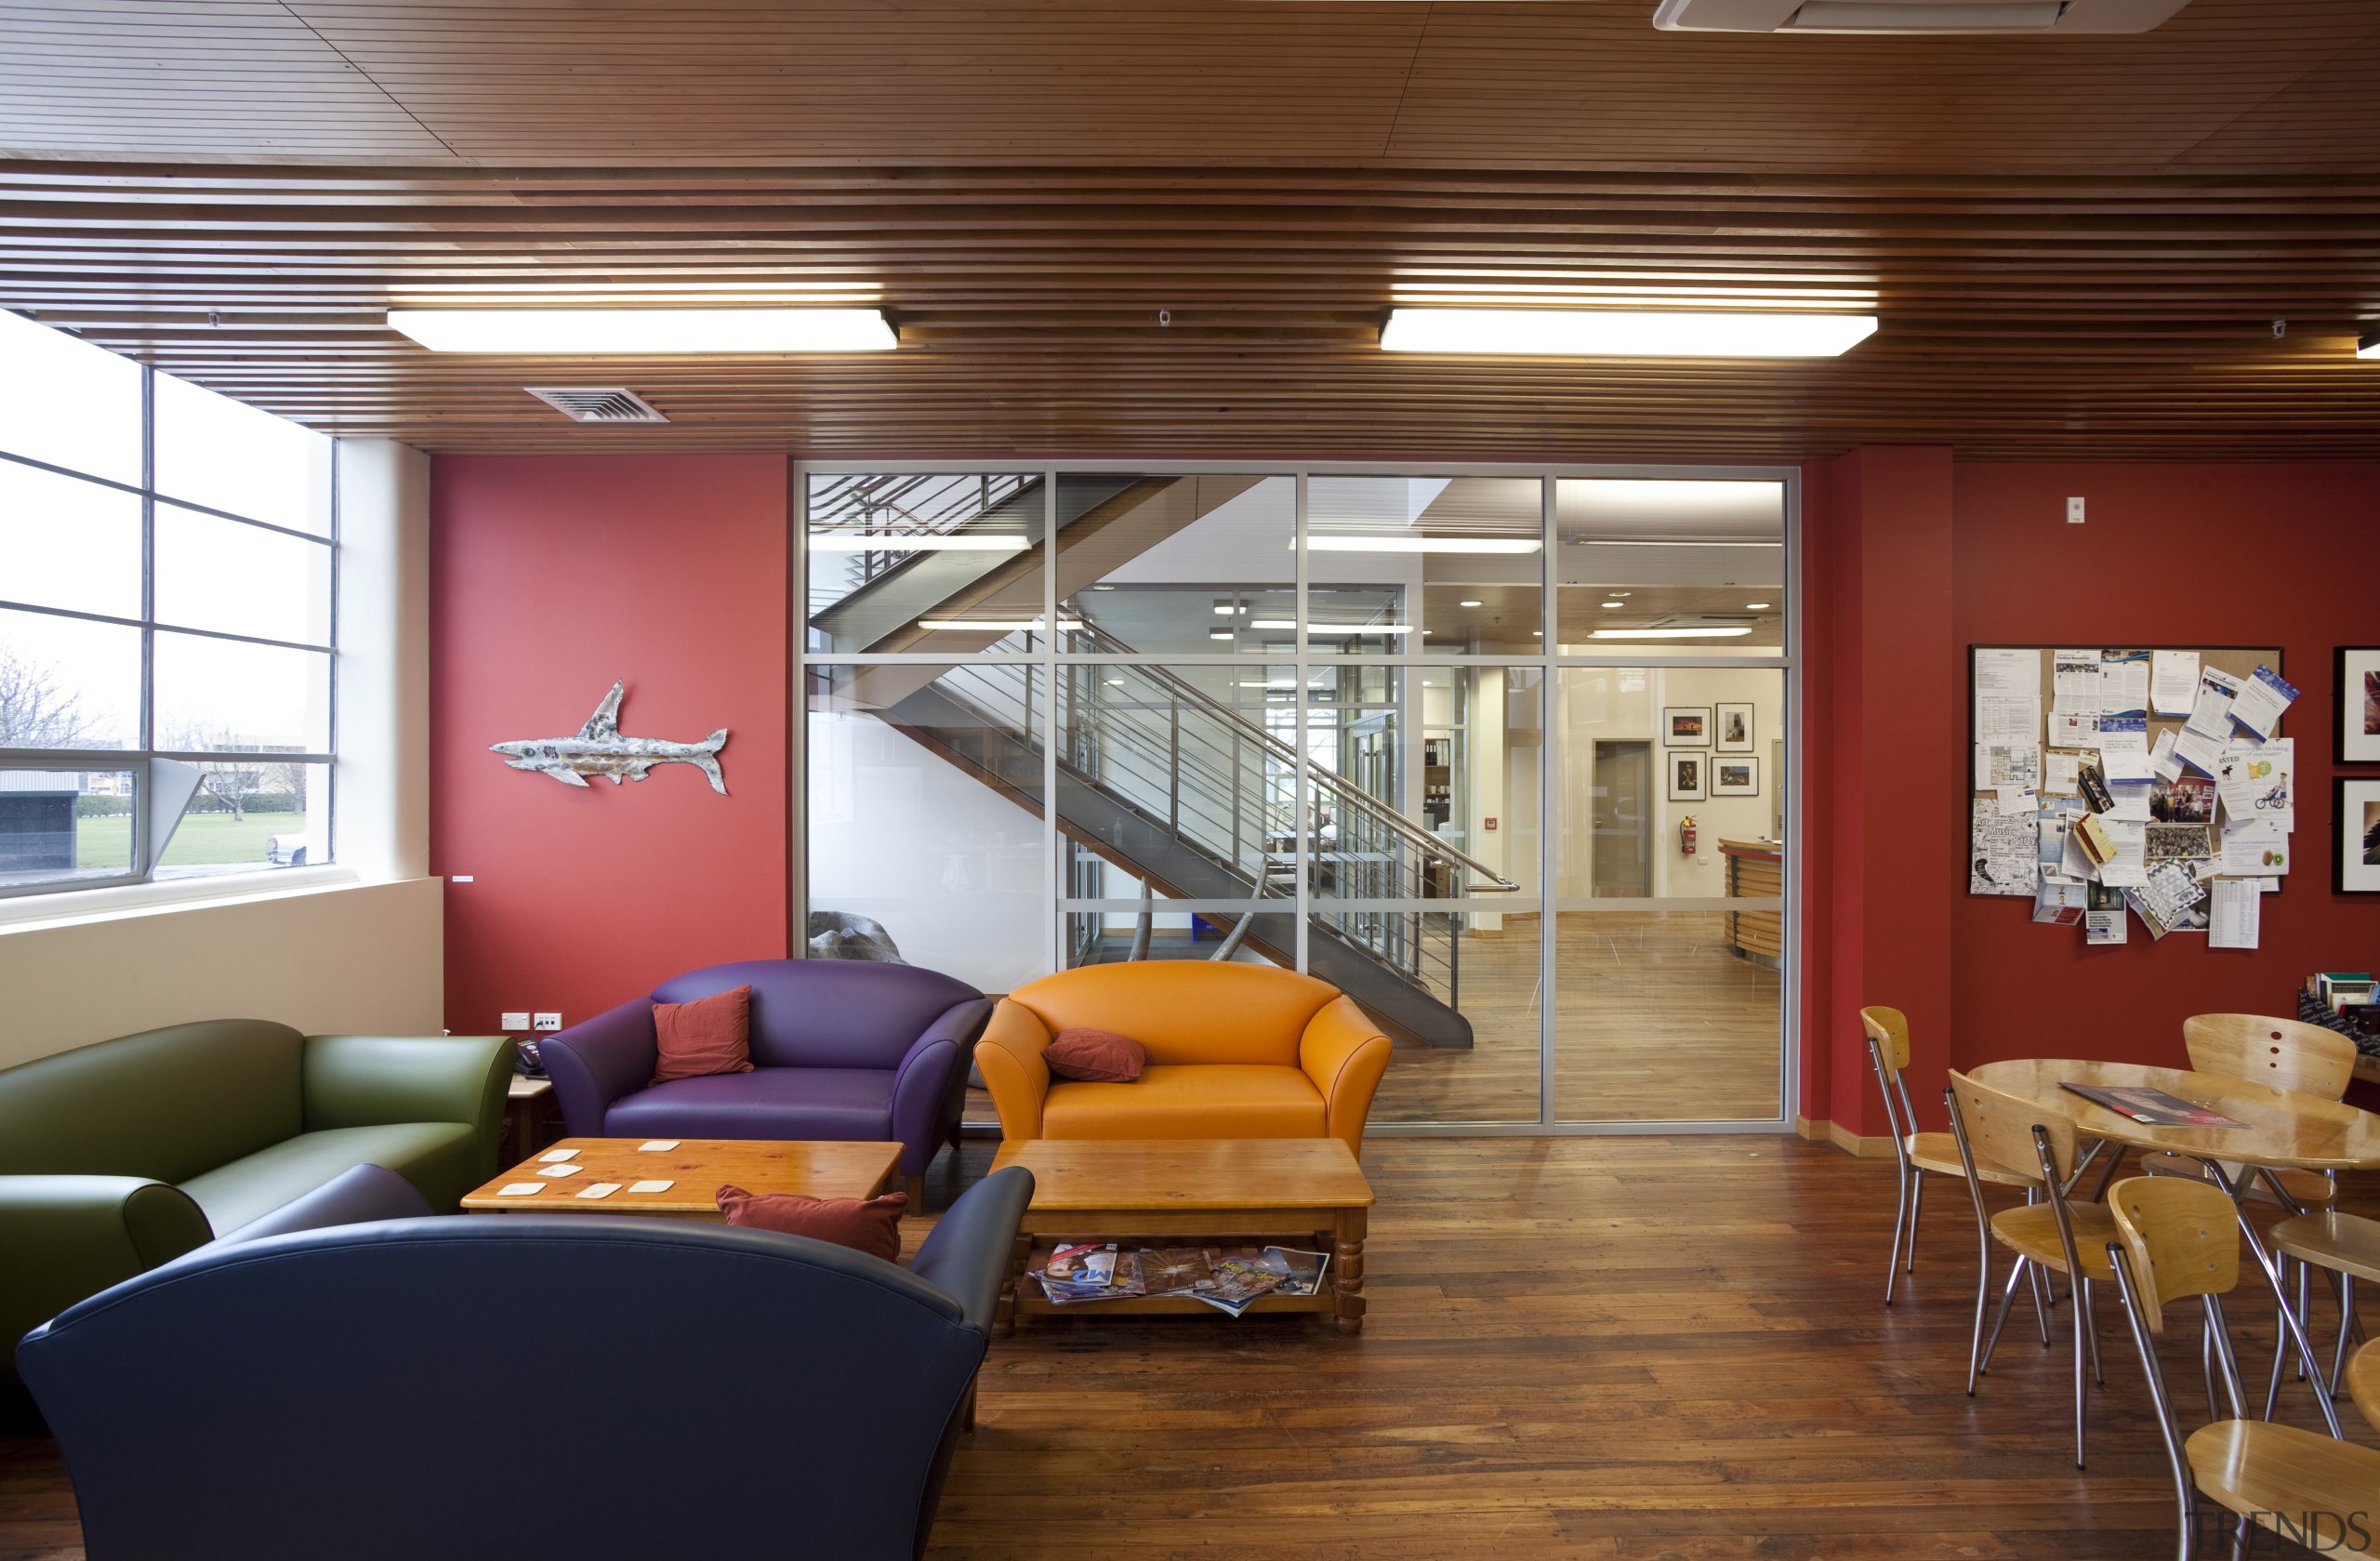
2356, 823
2359, 696
1688, 726
1734, 775
1735, 729
1689, 777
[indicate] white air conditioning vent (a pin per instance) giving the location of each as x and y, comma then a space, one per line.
597, 404
2008, 18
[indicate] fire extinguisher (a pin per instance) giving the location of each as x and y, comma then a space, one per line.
1686, 836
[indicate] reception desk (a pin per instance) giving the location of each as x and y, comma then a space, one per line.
1755, 871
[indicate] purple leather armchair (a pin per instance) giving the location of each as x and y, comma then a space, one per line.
842, 1049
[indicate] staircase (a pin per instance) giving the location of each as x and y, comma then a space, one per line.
1180, 790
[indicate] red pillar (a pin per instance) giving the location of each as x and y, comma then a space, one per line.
1885, 729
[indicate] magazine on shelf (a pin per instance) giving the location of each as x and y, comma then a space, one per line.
2152, 1107
1301, 1272
1090, 1273
1238, 1284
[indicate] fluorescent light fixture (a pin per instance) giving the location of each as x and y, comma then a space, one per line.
1470, 604
991, 625
1337, 628
1335, 544
1615, 604
1219, 634
1665, 542
1755, 606
912, 542
2368, 345
1670, 633
1632, 333
1115, 683
646, 330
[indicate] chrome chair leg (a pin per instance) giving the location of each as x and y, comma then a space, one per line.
2087, 1321
2347, 1331
1916, 1203
2000, 1317
2206, 1369
2044, 1296
1901, 1220
2081, 1389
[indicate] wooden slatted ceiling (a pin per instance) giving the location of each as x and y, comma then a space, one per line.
2228, 85
2100, 318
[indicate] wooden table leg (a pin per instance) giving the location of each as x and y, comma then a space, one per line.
1004, 1313
1347, 1263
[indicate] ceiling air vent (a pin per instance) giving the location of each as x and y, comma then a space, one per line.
2004, 18
596, 404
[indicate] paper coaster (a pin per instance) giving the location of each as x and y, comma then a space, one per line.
562, 1171
657, 1145
520, 1189
555, 1156
650, 1186
601, 1189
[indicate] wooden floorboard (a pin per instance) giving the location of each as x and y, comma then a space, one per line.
1638, 1348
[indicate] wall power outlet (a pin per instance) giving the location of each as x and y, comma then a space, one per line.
512, 1022
549, 1021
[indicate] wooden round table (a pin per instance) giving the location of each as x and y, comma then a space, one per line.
2284, 1129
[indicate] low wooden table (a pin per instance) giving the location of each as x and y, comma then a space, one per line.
1089, 1189
695, 1169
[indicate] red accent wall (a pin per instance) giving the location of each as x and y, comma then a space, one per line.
551, 576
2218, 554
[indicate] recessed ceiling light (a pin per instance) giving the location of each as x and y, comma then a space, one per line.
1537, 634
1649, 333
911, 542
1470, 603
1219, 634
646, 330
1620, 593
1102, 588
1754, 606
1615, 604
1337, 544
1670, 633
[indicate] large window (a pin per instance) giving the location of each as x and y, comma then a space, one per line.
1501, 754
166, 625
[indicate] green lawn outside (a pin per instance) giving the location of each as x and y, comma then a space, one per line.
205, 839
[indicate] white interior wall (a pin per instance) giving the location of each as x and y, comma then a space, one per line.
1735, 818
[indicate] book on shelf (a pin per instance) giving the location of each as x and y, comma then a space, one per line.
2152, 1107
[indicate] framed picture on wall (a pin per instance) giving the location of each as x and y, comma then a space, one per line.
1735, 775
1686, 726
1734, 729
2355, 817
2359, 739
1689, 777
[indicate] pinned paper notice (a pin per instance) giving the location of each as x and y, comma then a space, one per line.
2173, 681
520, 1189
2238, 909
555, 1156
2061, 772
650, 1186
2257, 706
657, 1145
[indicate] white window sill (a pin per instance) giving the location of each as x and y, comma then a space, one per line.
76, 906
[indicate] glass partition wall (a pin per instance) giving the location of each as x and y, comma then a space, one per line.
1500, 753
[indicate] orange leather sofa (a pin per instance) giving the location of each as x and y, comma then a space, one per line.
1234, 1052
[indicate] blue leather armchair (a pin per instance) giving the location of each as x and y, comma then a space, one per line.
702, 1390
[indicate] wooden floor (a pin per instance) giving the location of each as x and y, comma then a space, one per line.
1639, 1348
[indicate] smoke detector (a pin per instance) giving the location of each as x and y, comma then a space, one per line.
2010, 18
597, 404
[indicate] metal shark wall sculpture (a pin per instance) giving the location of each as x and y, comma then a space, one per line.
599, 749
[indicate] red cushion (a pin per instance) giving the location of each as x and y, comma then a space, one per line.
870, 1225
709, 1034
1098, 1056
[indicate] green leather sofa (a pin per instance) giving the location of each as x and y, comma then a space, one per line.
118, 1156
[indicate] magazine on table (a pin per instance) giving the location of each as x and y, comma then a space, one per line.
2152, 1107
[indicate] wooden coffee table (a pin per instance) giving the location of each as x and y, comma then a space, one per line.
1089, 1189
695, 1169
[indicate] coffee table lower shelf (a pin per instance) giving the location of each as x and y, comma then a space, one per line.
1030, 1302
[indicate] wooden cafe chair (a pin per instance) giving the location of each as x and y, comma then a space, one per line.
2179, 1240
2056, 1235
1915, 1153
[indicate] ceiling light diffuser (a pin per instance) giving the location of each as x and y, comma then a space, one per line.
1633, 333
988, 625
1670, 633
1755, 606
911, 542
1470, 603
646, 330
1409, 544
